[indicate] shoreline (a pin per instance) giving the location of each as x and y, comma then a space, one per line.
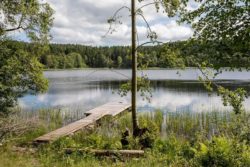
150, 68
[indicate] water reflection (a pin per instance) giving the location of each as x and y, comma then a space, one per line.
83, 90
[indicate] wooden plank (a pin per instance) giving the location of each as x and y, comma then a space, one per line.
108, 106
114, 113
111, 109
126, 153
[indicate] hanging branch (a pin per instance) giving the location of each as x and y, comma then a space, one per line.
156, 2
143, 6
233, 98
206, 76
113, 19
145, 20
151, 34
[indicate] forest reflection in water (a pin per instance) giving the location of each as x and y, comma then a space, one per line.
79, 91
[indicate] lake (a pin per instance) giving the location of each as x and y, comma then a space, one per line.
77, 91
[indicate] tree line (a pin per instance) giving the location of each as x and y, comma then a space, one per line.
169, 55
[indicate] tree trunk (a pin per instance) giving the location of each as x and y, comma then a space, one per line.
134, 66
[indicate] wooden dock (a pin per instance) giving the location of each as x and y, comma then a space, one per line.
109, 109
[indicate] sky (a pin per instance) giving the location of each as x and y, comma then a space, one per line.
85, 22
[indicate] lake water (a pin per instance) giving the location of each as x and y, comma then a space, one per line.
80, 90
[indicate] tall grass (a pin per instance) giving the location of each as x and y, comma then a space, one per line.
180, 139
187, 124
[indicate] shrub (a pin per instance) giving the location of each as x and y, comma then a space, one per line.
222, 152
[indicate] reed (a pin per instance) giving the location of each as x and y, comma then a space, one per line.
179, 139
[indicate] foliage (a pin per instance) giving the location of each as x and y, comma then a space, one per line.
158, 118
32, 17
170, 7
143, 87
222, 152
72, 60
171, 58
234, 98
181, 53
221, 28
20, 71
152, 131
224, 23
224, 148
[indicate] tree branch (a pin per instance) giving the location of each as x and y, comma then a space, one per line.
113, 18
206, 77
153, 3
18, 27
143, 6
145, 20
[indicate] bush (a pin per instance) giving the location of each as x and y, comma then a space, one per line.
152, 132
222, 152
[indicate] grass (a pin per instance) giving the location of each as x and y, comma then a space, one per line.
178, 139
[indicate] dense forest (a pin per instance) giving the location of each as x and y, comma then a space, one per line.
172, 54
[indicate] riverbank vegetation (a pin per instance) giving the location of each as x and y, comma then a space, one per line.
174, 139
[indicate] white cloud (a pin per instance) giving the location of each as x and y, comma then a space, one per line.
85, 22
172, 31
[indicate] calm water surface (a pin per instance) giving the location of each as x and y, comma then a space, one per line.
81, 90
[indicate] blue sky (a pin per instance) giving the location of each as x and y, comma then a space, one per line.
85, 22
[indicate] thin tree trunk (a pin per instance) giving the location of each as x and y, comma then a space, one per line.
134, 66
